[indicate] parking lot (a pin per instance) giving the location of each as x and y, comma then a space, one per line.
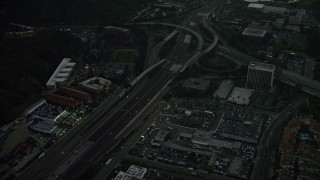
170, 144
242, 124
191, 113
47, 111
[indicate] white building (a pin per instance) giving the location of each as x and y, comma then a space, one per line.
95, 85
240, 96
133, 173
224, 89
256, 6
137, 171
61, 74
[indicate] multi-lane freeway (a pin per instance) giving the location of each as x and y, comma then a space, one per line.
107, 136
102, 137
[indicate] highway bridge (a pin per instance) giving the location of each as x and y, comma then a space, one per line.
305, 84
113, 127
110, 133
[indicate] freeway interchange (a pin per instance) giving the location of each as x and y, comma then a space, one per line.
109, 129
112, 127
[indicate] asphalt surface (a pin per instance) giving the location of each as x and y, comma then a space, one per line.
40, 168
307, 85
270, 140
104, 138
106, 135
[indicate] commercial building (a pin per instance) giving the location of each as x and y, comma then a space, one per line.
255, 31
260, 76
62, 100
13, 134
275, 9
47, 112
67, 97
240, 96
204, 138
256, 6
95, 85
80, 95
61, 74
133, 173
268, 9
47, 127
199, 85
224, 89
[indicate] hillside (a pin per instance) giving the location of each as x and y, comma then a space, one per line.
27, 64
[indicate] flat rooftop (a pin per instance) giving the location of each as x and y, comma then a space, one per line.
96, 83
198, 84
254, 32
256, 6
224, 89
240, 96
44, 126
261, 66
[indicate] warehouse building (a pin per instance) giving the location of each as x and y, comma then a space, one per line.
95, 85
61, 75
240, 96
255, 32
62, 100
80, 95
196, 85
224, 89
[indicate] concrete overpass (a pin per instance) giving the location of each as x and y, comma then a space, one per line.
137, 79
307, 85
199, 54
157, 58
199, 37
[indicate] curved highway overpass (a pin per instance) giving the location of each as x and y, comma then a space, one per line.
105, 135
199, 37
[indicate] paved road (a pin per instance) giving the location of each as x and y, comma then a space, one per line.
199, 37
307, 85
38, 168
106, 135
270, 139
